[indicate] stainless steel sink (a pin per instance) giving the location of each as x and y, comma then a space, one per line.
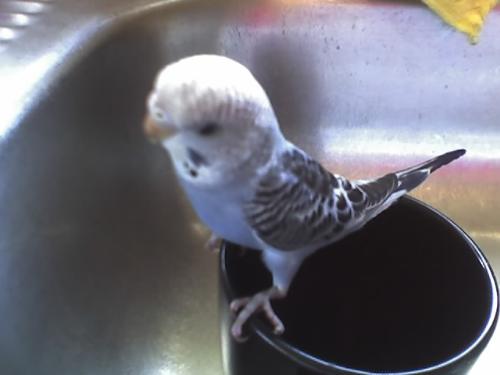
102, 269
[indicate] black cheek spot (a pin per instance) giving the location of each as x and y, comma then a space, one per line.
193, 173
209, 129
196, 158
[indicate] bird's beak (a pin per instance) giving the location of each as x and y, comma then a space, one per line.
154, 132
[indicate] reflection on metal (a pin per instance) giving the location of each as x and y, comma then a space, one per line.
14, 19
17, 81
15, 15
24, 6
6, 33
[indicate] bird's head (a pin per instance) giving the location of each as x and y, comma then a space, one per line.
213, 117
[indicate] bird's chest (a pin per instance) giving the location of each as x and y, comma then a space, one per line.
222, 211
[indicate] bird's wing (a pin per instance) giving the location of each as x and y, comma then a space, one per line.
377, 191
382, 192
298, 204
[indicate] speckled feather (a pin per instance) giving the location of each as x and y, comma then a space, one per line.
299, 204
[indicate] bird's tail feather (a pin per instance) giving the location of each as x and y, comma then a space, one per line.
410, 178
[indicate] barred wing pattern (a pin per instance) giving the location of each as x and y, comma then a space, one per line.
298, 203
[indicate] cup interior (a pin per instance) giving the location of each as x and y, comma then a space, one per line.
408, 292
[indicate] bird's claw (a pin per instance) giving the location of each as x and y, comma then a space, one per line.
213, 243
245, 307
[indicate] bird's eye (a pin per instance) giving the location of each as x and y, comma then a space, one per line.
158, 115
209, 129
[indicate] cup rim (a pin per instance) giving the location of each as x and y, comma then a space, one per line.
313, 363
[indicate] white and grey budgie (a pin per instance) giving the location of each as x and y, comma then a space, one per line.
250, 185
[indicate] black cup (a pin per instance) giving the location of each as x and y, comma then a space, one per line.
408, 294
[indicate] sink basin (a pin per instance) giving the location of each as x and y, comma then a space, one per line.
102, 263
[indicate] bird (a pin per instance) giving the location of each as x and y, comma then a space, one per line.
250, 185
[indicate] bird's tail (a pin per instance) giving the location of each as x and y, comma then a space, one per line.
410, 178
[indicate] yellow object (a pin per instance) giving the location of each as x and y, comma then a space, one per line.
465, 15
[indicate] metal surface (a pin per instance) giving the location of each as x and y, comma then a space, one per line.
101, 262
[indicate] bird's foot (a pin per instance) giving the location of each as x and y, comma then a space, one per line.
213, 243
245, 307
